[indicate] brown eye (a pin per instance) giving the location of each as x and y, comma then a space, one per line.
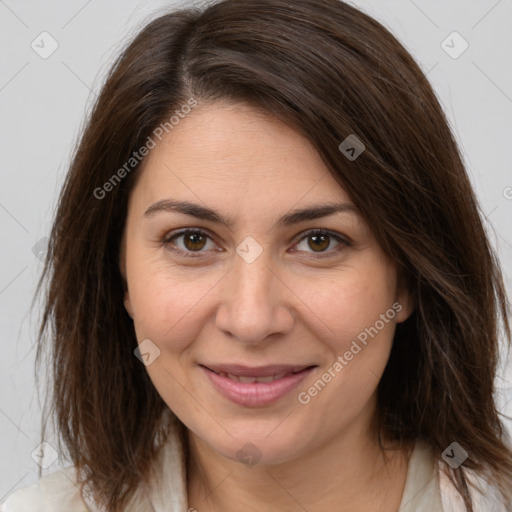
321, 243
318, 242
194, 241
189, 243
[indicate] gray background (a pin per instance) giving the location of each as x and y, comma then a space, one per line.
43, 103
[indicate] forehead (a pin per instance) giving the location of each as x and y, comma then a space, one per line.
234, 154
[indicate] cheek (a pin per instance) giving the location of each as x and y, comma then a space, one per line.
164, 304
356, 319
170, 309
341, 308
164, 297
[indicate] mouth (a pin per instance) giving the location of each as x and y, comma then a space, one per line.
256, 386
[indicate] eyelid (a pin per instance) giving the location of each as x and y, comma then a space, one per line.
166, 241
343, 240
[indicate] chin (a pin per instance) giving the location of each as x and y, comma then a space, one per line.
251, 446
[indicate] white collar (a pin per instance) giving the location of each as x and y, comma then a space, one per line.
167, 488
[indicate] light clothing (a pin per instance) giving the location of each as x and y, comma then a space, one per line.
426, 488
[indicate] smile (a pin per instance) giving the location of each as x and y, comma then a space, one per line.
264, 387
241, 378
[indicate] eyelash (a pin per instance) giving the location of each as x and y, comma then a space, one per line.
312, 232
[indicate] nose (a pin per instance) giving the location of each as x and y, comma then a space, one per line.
255, 302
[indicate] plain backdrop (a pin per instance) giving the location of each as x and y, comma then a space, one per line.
43, 102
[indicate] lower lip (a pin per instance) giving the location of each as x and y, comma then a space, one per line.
256, 394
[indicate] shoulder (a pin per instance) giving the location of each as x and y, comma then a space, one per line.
27, 498
59, 491
439, 493
486, 497
55, 492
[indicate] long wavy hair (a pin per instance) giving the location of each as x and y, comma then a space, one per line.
328, 71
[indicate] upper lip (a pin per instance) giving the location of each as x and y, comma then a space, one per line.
256, 371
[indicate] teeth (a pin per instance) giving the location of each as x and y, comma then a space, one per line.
244, 379
250, 380
270, 378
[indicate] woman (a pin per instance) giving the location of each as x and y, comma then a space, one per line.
269, 284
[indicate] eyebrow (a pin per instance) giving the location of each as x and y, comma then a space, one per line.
205, 213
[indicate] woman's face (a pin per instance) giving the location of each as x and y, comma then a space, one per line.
254, 289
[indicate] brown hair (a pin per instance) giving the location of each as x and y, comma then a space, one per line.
328, 71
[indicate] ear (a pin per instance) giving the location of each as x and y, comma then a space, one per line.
122, 269
405, 302
127, 303
404, 307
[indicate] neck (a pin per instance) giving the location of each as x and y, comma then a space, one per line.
350, 473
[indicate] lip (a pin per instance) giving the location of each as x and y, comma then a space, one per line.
256, 394
256, 371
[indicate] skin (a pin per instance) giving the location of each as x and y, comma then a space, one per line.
288, 306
